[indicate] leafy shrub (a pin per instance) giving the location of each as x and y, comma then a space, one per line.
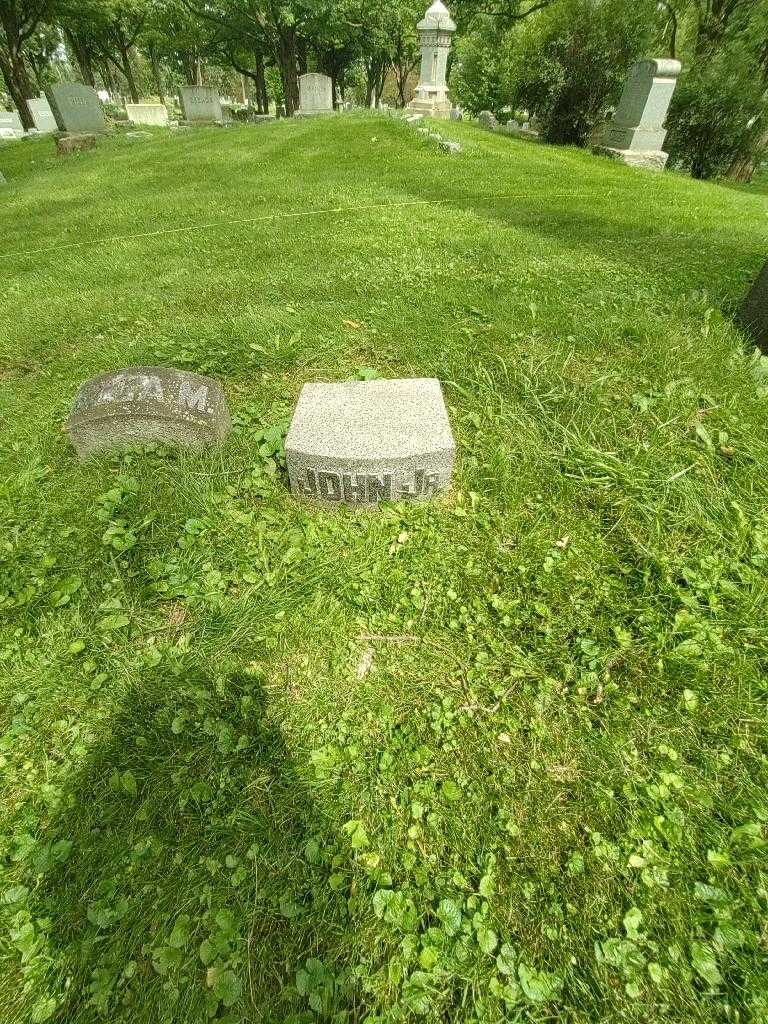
572, 61
712, 116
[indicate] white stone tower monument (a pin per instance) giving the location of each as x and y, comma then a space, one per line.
435, 31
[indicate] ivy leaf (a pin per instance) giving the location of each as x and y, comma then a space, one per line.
487, 939
449, 913
505, 961
538, 986
705, 963
227, 988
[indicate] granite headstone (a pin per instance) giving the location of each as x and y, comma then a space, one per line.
42, 115
201, 103
362, 442
315, 94
147, 113
148, 403
76, 108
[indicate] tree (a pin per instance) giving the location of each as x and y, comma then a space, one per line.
19, 20
572, 62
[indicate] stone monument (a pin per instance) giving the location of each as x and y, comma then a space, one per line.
435, 31
362, 442
147, 113
76, 108
753, 315
636, 132
42, 115
147, 403
10, 122
201, 104
315, 94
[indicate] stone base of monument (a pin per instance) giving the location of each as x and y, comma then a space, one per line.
66, 144
753, 315
438, 108
147, 404
363, 442
653, 160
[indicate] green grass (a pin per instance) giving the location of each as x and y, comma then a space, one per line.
501, 757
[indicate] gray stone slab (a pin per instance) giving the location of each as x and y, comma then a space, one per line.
11, 121
76, 108
450, 147
753, 315
200, 103
358, 443
42, 115
148, 403
315, 94
147, 113
67, 144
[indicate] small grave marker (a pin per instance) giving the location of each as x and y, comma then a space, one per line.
362, 442
147, 113
147, 403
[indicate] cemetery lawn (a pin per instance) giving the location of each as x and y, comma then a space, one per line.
500, 757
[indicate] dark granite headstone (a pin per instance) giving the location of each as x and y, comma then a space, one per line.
76, 107
753, 315
148, 403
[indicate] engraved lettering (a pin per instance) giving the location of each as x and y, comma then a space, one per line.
380, 488
354, 491
418, 486
330, 486
194, 400
432, 483
151, 387
308, 487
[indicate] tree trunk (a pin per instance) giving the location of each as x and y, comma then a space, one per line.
744, 165
301, 55
157, 78
128, 72
108, 78
286, 61
19, 86
82, 56
262, 100
198, 70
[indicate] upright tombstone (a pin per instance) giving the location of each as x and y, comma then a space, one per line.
362, 442
435, 31
147, 403
636, 133
201, 104
147, 113
76, 108
10, 123
315, 94
42, 115
753, 315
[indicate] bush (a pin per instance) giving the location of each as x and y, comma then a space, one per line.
712, 118
573, 59
478, 73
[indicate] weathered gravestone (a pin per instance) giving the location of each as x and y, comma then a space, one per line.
315, 94
148, 403
42, 115
76, 108
201, 103
147, 113
636, 132
362, 442
487, 119
753, 315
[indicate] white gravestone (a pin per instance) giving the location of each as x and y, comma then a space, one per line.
42, 115
636, 132
435, 31
315, 94
11, 123
147, 113
362, 442
200, 103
